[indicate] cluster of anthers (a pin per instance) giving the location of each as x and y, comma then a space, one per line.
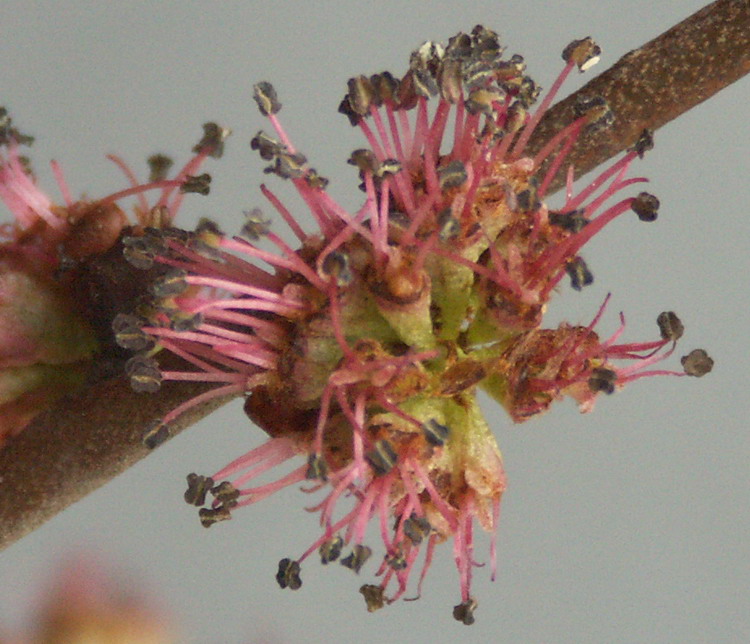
48, 334
362, 349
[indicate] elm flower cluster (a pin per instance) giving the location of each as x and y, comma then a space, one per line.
47, 341
360, 352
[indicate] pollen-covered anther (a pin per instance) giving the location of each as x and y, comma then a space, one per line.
528, 92
315, 180
423, 83
198, 487
527, 199
144, 373
158, 217
458, 47
129, 334
364, 159
288, 574
417, 529
452, 175
179, 321
449, 80
435, 433
387, 168
330, 550
267, 146
646, 206
170, 284
396, 560
482, 101
357, 558
9, 133
670, 326
345, 108
264, 95
515, 118
374, 597
447, 225
155, 434
159, 166
209, 516
697, 363
226, 494
199, 184
596, 111
317, 468
427, 57
206, 243
335, 267
509, 73
572, 221
382, 457
585, 53
384, 86
140, 251
361, 94
213, 140
644, 143
207, 229
288, 165
579, 273
464, 612
477, 73
602, 380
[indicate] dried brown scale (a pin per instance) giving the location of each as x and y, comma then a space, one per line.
654, 84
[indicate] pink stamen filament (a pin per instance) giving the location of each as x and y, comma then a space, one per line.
132, 180
235, 268
442, 506
269, 449
559, 158
190, 168
192, 376
330, 531
228, 390
261, 468
596, 183
61, 183
245, 289
282, 134
246, 304
540, 111
285, 214
138, 189
21, 194
293, 262
193, 351
259, 493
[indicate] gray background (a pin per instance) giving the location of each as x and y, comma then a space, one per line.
626, 525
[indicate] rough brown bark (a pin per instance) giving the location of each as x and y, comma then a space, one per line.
86, 440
